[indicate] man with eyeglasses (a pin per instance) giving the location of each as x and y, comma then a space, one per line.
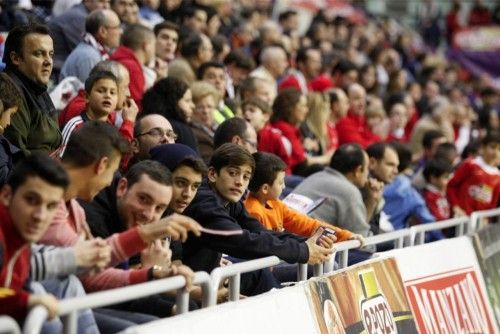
103, 32
149, 131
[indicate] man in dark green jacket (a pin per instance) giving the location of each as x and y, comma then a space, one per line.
29, 50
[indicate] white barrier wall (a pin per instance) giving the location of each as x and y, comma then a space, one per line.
445, 287
282, 311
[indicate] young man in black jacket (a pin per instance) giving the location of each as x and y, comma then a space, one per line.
218, 205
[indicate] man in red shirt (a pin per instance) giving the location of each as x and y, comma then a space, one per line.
353, 127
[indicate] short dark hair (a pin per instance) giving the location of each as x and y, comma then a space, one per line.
377, 150
163, 98
231, 127
436, 168
93, 141
430, 136
404, 155
10, 95
255, 101
136, 34
491, 137
230, 154
195, 163
15, 39
444, 150
285, 103
165, 25
286, 15
347, 158
96, 76
301, 56
205, 66
249, 85
190, 45
155, 170
94, 21
240, 59
267, 167
38, 165
344, 66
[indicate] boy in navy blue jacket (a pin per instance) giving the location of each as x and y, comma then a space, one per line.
218, 205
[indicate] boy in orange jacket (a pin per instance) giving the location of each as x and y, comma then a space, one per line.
263, 202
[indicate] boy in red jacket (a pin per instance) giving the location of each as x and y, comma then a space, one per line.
476, 183
437, 175
28, 203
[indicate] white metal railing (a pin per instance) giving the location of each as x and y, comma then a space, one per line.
8, 325
234, 271
210, 283
477, 219
68, 308
418, 232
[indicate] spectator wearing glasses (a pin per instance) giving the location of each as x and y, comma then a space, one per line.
103, 32
172, 98
149, 131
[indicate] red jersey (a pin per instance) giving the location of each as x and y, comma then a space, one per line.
437, 203
475, 186
271, 140
353, 129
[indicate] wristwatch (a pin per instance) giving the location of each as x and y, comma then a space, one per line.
152, 270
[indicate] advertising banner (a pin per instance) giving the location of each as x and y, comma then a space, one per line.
445, 287
487, 245
367, 298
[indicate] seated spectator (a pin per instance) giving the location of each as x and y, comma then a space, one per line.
172, 98
229, 173
237, 131
10, 100
353, 128
124, 105
289, 112
196, 49
402, 201
102, 34
437, 174
398, 118
259, 88
136, 52
91, 158
214, 73
308, 62
273, 63
38, 177
344, 207
33, 127
205, 98
263, 201
438, 119
150, 130
127, 10
314, 128
102, 97
167, 39
475, 185
430, 142
339, 105
376, 118
238, 67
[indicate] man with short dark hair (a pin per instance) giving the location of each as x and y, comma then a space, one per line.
167, 39
237, 131
102, 34
308, 62
343, 207
28, 55
68, 28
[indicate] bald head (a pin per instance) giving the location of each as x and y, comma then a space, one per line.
274, 59
357, 99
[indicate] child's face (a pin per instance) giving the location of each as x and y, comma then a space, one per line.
231, 181
103, 97
440, 182
186, 182
255, 116
277, 187
491, 154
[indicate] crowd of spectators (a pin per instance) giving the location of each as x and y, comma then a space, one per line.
164, 116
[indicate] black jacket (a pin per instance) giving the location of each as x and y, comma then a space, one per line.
204, 253
9, 155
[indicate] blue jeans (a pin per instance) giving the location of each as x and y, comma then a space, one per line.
63, 289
